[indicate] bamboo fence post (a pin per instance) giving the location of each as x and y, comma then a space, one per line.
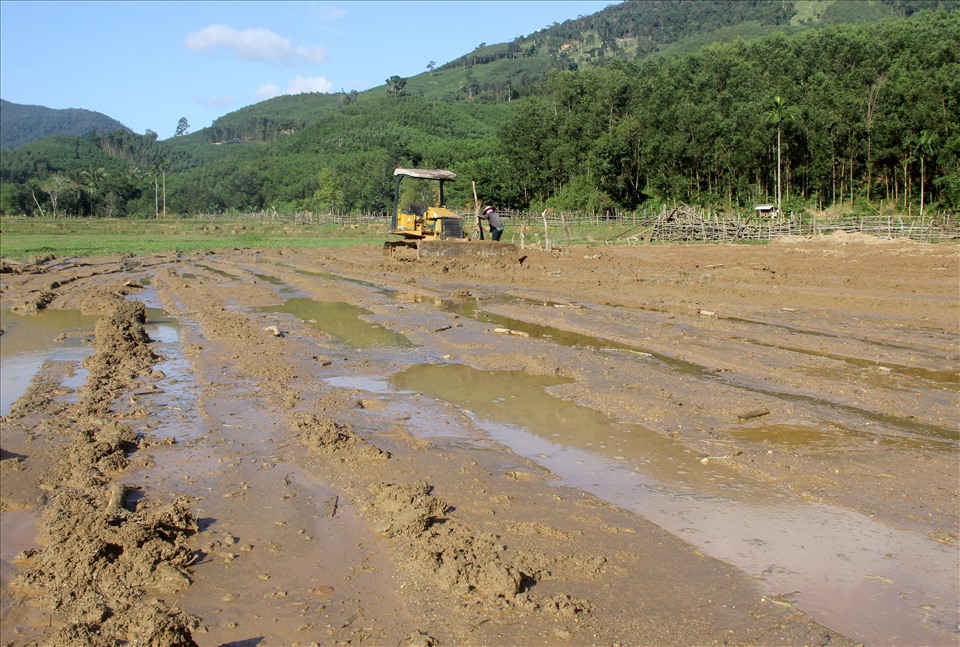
546, 231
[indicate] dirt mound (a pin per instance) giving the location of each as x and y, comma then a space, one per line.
327, 437
87, 533
147, 624
841, 237
122, 356
460, 562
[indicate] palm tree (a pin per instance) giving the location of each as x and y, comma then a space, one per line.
155, 172
922, 146
164, 165
778, 115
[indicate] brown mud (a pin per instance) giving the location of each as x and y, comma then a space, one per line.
638, 445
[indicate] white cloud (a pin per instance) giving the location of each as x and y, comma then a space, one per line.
268, 91
298, 85
309, 84
254, 45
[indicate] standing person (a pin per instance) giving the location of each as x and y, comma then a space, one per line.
496, 223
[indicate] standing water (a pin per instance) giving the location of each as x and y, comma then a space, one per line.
29, 341
871, 582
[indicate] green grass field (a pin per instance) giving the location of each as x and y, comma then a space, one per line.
27, 238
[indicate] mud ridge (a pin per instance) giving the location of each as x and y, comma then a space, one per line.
328, 437
102, 551
463, 563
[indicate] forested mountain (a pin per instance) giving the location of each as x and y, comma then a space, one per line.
855, 111
22, 124
859, 101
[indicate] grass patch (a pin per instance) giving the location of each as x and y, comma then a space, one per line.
26, 238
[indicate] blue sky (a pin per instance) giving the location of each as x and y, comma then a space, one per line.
147, 64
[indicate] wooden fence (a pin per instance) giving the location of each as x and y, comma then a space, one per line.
678, 224
693, 225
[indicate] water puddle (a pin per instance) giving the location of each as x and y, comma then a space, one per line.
343, 321
884, 426
361, 382
792, 435
328, 276
29, 341
472, 309
18, 532
213, 270
868, 581
914, 373
273, 280
57, 335
175, 391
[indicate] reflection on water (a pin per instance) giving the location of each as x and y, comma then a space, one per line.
28, 341
273, 280
176, 395
866, 580
213, 270
887, 428
343, 321
18, 532
520, 399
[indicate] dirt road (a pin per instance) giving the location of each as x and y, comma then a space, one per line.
639, 445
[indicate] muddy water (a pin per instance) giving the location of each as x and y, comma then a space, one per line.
173, 393
877, 583
278, 562
29, 341
343, 321
19, 533
887, 429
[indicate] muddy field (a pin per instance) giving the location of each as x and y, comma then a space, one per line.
638, 445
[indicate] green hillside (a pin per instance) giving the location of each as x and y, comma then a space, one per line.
22, 124
643, 101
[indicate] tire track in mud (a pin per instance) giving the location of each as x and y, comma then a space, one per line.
87, 291
485, 553
101, 555
407, 514
468, 584
849, 471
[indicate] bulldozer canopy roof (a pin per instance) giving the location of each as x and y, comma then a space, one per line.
426, 174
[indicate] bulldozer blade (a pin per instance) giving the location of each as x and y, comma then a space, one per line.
466, 248
392, 248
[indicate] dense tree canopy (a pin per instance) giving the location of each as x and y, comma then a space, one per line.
848, 103
23, 124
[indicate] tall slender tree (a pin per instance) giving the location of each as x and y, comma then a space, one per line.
164, 165
923, 148
778, 115
155, 172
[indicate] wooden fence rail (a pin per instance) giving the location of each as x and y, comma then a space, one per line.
679, 224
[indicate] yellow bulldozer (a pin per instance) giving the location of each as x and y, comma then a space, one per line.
424, 224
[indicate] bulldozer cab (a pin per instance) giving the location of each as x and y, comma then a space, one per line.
419, 206
427, 228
